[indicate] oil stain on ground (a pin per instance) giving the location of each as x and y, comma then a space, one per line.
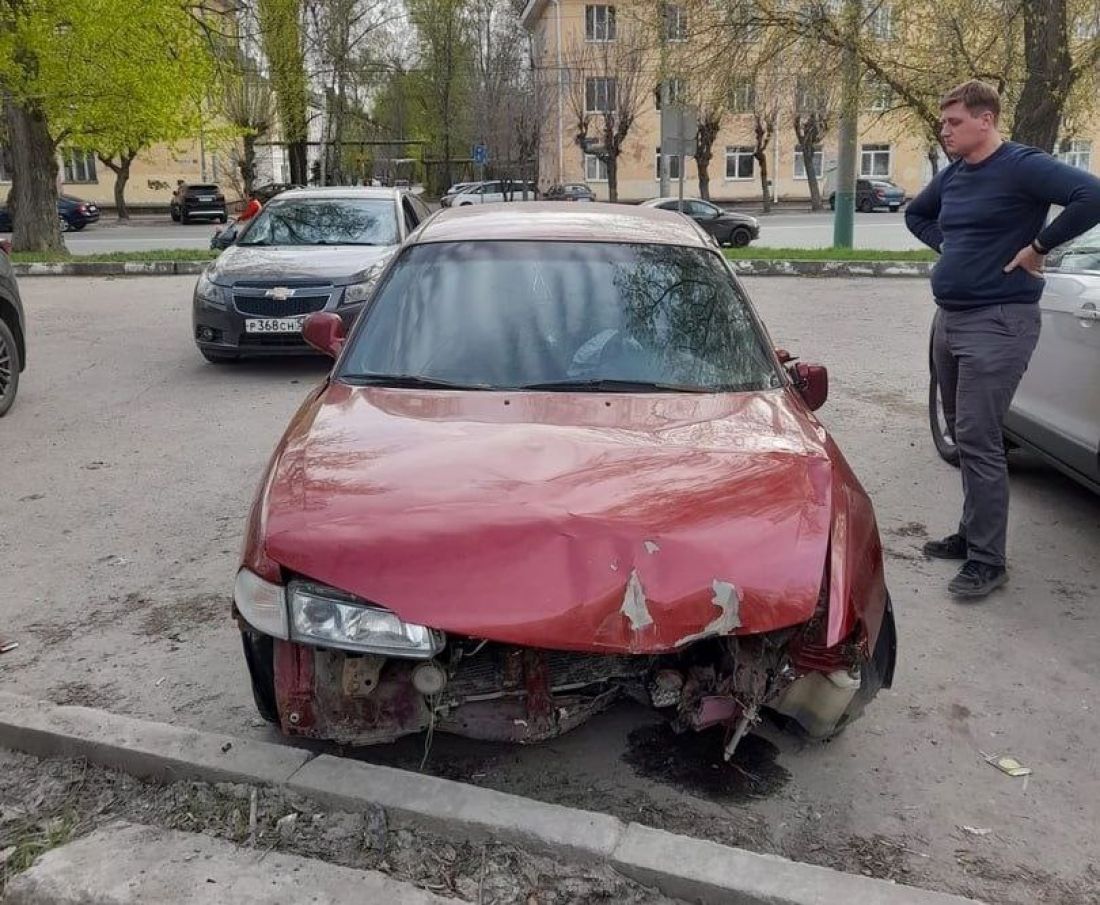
692, 762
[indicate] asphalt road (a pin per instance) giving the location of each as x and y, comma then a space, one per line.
782, 229
128, 464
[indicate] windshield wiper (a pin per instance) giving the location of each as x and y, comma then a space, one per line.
606, 385
409, 381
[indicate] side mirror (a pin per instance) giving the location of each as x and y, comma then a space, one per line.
785, 357
325, 331
812, 382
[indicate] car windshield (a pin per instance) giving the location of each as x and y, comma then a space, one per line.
324, 221
560, 315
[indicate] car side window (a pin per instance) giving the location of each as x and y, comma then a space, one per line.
423, 212
411, 220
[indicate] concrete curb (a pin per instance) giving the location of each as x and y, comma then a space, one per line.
681, 867
753, 268
110, 269
902, 269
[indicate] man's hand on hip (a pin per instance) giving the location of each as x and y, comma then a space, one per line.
1030, 260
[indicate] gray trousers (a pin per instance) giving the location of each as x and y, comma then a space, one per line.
980, 356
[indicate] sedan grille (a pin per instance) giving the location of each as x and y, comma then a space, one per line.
260, 306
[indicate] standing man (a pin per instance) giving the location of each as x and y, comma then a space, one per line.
985, 215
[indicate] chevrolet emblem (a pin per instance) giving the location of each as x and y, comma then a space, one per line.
279, 293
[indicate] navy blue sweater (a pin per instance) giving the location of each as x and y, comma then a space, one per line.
979, 216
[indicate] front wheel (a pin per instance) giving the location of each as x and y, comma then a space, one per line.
9, 368
866, 206
739, 238
259, 655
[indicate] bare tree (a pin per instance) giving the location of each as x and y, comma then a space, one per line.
249, 105
814, 112
607, 94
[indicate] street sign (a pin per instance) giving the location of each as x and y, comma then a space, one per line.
480, 155
679, 125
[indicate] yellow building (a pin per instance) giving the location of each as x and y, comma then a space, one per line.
570, 39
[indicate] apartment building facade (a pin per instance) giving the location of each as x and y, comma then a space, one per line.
565, 33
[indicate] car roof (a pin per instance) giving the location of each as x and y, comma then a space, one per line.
550, 222
344, 191
653, 202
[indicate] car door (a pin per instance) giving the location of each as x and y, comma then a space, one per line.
707, 216
1057, 406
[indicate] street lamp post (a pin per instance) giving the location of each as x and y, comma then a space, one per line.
844, 218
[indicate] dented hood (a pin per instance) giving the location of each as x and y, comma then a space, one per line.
599, 522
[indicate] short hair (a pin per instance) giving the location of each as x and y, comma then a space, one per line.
977, 97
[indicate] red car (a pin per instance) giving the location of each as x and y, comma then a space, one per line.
558, 463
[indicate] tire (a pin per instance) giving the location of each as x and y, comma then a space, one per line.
867, 206
739, 238
219, 358
941, 439
175, 214
184, 219
77, 227
894, 208
259, 656
9, 368
223, 219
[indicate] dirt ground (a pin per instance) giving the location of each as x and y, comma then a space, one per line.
48, 803
128, 465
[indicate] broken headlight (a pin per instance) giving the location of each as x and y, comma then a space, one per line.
330, 618
261, 603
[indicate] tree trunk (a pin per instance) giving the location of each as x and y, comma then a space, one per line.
122, 176
811, 177
32, 204
933, 154
613, 178
248, 163
761, 156
703, 165
1049, 70
299, 162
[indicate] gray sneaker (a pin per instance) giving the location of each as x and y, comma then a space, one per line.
977, 579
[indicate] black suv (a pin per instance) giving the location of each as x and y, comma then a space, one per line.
13, 349
194, 202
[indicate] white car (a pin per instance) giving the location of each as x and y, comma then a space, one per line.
495, 191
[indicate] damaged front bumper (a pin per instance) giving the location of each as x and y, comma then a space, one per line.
486, 690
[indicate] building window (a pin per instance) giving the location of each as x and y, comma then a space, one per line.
742, 97
874, 160
673, 166
676, 22
1076, 153
595, 170
79, 166
800, 163
880, 96
599, 23
677, 92
880, 23
599, 95
740, 162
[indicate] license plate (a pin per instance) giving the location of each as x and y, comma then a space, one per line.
206, 197
273, 325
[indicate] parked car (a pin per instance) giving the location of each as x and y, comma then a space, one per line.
204, 202
875, 194
727, 227
264, 193
456, 189
494, 192
1056, 411
13, 334
557, 463
73, 214
307, 250
574, 191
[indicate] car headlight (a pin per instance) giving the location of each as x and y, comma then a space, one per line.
327, 617
261, 603
357, 293
206, 290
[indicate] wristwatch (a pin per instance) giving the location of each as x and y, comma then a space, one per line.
1038, 249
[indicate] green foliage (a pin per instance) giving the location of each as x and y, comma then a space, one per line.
109, 75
